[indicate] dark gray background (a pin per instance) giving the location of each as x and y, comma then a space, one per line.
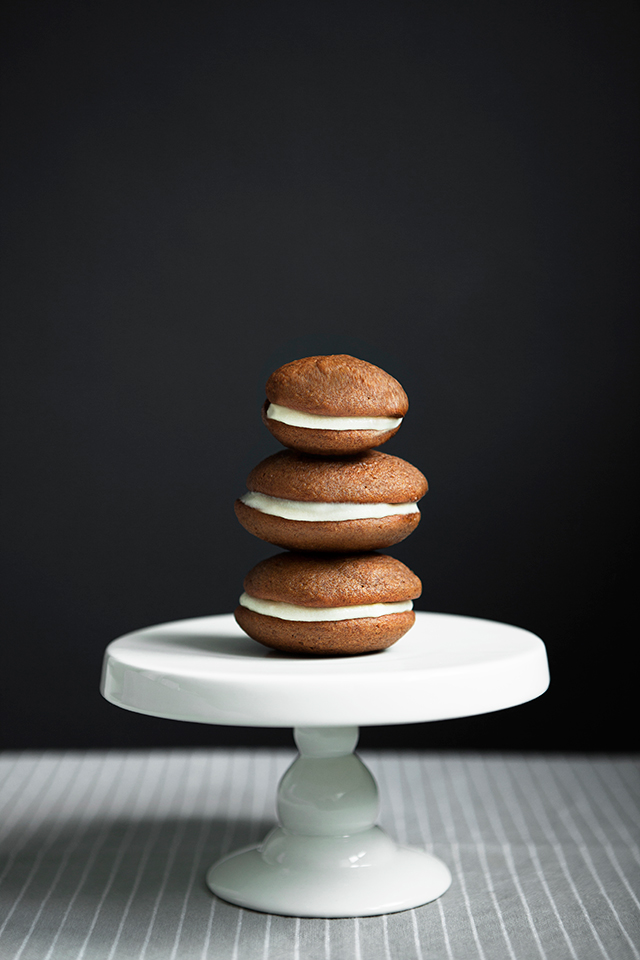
198, 192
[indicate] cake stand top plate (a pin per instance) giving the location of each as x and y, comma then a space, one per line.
208, 671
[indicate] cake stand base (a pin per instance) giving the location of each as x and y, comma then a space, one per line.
327, 859
403, 879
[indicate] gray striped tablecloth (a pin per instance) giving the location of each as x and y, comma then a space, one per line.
104, 856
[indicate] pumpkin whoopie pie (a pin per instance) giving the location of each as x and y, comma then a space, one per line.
306, 502
328, 604
333, 405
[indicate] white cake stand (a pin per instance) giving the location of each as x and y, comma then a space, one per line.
327, 858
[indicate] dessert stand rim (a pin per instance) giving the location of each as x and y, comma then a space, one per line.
144, 673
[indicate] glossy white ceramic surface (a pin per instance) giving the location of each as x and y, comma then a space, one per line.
208, 671
327, 859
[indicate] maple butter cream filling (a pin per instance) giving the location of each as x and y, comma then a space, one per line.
324, 512
314, 421
291, 611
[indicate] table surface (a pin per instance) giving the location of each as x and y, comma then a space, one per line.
208, 670
104, 856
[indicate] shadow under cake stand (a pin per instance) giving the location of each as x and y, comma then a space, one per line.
327, 858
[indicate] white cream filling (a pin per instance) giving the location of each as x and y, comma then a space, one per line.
324, 512
313, 421
291, 611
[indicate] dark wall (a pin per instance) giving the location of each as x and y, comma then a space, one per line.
196, 193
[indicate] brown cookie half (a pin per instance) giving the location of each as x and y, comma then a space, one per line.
344, 535
338, 638
291, 586
333, 386
306, 502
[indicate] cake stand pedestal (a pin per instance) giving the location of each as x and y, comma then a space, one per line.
327, 858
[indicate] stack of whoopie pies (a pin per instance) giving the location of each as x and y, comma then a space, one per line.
331, 499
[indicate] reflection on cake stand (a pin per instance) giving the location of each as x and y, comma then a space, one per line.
326, 858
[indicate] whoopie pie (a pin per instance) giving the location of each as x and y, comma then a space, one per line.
306, 502
328, 604
333, 405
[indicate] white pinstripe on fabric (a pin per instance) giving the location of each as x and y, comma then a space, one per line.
584, 805
416, 935
472, 823
356, 937
236, 942
425, 774
186, 808
49, 841
205, 829
400, 818
93, 853
148, 802
296, 940
22, 768
627, 771
618, 801
417, 800
80, 832
419, 808
31, 821
261, 765
565, 815
443, 802
98, 814
392, 773
122, 850
267, 937
231, 812
387, 783
175, 785
238, 780
498, 829
445, 932
205, 946
16, 768
598, 788
515, 811
269, 786
13, 762
534, 801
